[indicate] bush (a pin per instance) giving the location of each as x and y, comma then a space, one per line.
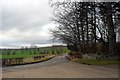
101, 48
74, 54
89, 48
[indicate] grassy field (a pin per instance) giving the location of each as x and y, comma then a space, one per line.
97, 62
18, 53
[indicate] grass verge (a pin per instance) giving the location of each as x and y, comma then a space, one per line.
94, 61
31, 61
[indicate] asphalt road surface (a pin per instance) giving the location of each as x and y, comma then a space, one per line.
60, 67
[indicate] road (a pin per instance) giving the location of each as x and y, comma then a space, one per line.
60, 67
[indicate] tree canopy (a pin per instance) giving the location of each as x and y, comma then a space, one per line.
85, 23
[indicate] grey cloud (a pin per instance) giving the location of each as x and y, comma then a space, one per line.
25, 22
28, 18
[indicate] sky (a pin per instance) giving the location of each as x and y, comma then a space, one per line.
25, 22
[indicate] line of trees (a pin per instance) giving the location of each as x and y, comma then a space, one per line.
81, 24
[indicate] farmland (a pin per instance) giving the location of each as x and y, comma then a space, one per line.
30, 52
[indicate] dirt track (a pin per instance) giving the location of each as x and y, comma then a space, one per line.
60, 67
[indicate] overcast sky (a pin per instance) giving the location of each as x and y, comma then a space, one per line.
25, 22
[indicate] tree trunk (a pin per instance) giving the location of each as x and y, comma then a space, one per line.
111, 32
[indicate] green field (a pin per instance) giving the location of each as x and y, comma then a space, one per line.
18, 53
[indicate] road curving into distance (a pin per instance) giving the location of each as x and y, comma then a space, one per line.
60, 67
51, 62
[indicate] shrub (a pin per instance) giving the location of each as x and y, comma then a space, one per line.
101, 48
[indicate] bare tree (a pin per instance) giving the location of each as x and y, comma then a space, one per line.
83, 23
